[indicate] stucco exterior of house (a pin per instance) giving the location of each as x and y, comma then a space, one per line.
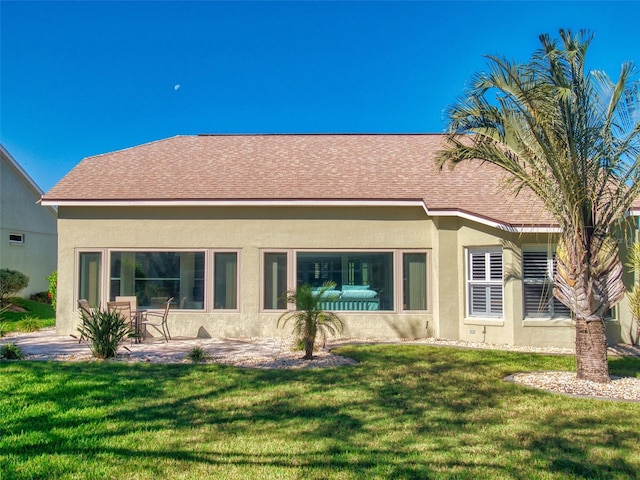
28, 241
226, 224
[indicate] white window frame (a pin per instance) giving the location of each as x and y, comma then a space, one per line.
487, 281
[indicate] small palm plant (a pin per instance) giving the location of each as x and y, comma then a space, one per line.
309, 319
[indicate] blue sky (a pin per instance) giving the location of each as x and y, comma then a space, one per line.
83, 78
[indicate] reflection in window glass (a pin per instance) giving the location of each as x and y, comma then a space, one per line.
89, 274
414, 278
275, 281
539, 268
364, 280
153, 277
225, 293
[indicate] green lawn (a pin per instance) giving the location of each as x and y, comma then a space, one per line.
402, 412
15, 321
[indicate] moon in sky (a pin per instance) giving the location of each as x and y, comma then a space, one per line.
176, 87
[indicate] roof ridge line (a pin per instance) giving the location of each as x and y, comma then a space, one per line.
151, 142
316, 134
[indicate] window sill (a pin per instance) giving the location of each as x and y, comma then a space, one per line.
491, 322
548, 322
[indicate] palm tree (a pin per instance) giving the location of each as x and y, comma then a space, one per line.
310, 320
573, 139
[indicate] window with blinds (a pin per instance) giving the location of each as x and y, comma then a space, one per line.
485, 283
538, 269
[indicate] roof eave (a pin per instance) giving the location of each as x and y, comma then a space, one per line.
22, 172
305, 203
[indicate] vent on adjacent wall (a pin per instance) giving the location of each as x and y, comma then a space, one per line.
16, 238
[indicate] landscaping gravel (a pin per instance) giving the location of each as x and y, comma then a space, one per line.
620, 388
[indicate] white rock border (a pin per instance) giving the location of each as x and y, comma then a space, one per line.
566, 383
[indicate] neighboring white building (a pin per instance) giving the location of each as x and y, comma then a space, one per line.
28, 239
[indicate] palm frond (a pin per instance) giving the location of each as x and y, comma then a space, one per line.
570, 137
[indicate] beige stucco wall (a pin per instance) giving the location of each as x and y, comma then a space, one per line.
252, 230
19, 213
513, 328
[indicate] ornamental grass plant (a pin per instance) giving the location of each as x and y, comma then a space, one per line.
29, 324
11, 351
105, 331
198, 355
19, 309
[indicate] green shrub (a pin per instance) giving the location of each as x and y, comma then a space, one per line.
29, 324
10, 351
40, 297
53, 289
198, 355
105, 331
11, 282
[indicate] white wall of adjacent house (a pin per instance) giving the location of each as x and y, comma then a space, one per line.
28, 239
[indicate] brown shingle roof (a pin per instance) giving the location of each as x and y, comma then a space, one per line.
296, 167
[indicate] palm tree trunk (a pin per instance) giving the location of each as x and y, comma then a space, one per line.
308, 348
591, 351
